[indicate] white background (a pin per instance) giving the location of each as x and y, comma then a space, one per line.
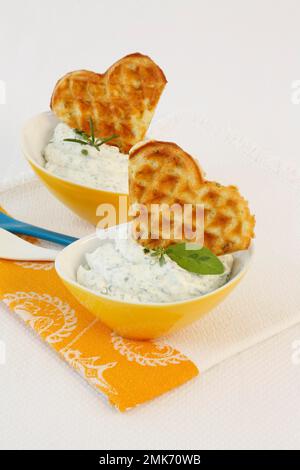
233, 61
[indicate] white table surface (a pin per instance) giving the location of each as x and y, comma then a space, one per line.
234, 61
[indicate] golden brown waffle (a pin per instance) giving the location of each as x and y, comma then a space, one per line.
161, 172
121, 101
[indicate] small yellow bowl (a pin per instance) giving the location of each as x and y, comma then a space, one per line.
138, 320
81, 199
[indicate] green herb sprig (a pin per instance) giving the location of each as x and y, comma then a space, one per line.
90, 139
157, 253
190, 257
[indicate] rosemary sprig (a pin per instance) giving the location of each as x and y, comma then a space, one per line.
78, 141
90, 139
92, 129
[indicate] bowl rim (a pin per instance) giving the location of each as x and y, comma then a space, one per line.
75, 283
33, 161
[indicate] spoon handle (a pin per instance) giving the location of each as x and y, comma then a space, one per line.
16, 226
42, 233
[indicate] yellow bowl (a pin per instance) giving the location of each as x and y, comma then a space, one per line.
81, 199
138, 320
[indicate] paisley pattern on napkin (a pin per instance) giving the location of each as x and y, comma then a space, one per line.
127, 372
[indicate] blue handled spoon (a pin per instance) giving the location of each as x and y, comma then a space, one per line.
16, 226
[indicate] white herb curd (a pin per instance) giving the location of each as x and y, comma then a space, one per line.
106, 168
119, 268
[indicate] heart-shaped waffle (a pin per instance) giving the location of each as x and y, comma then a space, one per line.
121, 101
162, 173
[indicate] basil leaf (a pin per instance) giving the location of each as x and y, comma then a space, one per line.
194, 259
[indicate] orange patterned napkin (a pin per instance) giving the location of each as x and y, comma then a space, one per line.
127, 372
